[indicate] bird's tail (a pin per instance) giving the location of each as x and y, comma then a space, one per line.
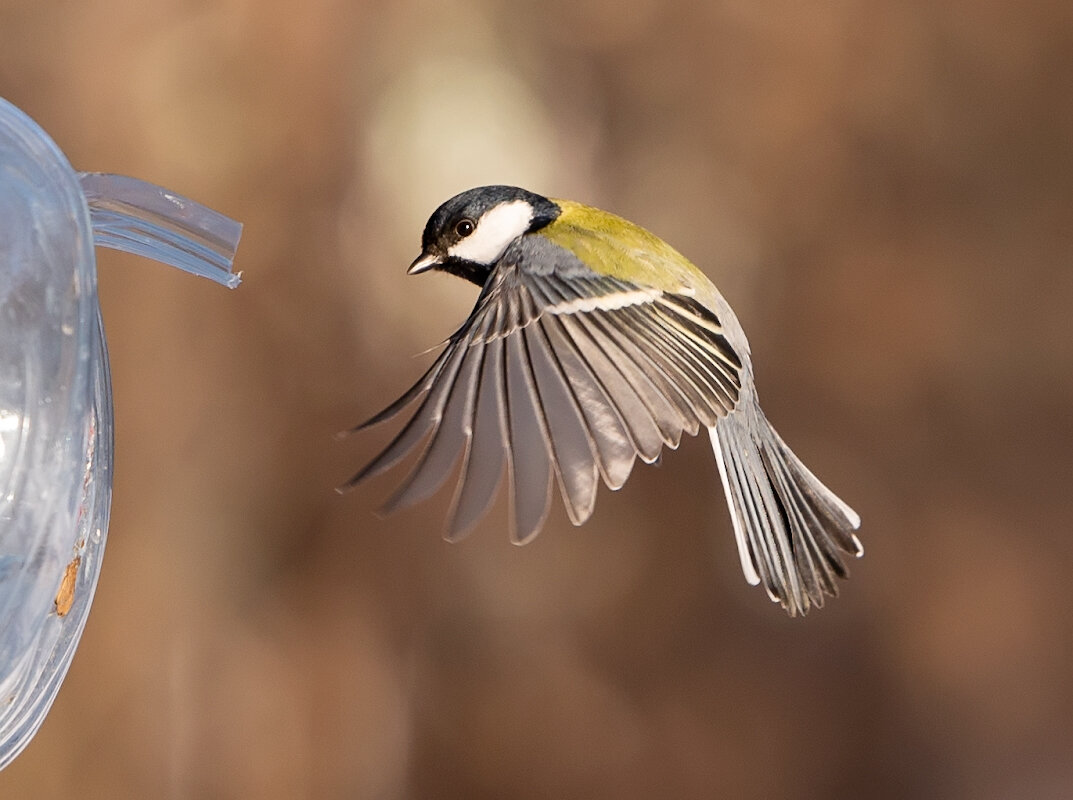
791, 530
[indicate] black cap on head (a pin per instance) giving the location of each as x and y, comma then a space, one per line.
473, 203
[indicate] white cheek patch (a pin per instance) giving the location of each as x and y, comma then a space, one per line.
497, 228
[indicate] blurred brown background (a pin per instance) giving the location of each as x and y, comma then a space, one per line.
882, 189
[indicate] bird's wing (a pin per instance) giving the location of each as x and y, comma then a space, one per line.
558, 371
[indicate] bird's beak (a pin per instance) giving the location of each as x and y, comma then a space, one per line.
423, 263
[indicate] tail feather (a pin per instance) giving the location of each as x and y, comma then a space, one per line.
791, 530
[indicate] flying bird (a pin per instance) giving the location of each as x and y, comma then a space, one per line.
594, 343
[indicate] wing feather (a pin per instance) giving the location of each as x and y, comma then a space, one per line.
694, 360
694, 342
633, 394
568, 437
674, 363
485, 458
672, 404
615, 446
450, 436
645, 379
530, 462
423, 384
424, 420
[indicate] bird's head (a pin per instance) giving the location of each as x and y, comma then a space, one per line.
469, 233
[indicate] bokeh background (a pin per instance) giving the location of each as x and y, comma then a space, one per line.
884, 191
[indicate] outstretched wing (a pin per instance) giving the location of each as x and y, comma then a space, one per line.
558, 372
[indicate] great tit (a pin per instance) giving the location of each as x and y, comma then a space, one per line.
594, 342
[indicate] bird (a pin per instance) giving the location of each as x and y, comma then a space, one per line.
594, 343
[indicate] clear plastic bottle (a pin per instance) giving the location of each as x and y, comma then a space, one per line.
55, 393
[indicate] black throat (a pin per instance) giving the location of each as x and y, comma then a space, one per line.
467, 270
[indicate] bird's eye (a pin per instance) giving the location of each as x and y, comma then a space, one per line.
465, 227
